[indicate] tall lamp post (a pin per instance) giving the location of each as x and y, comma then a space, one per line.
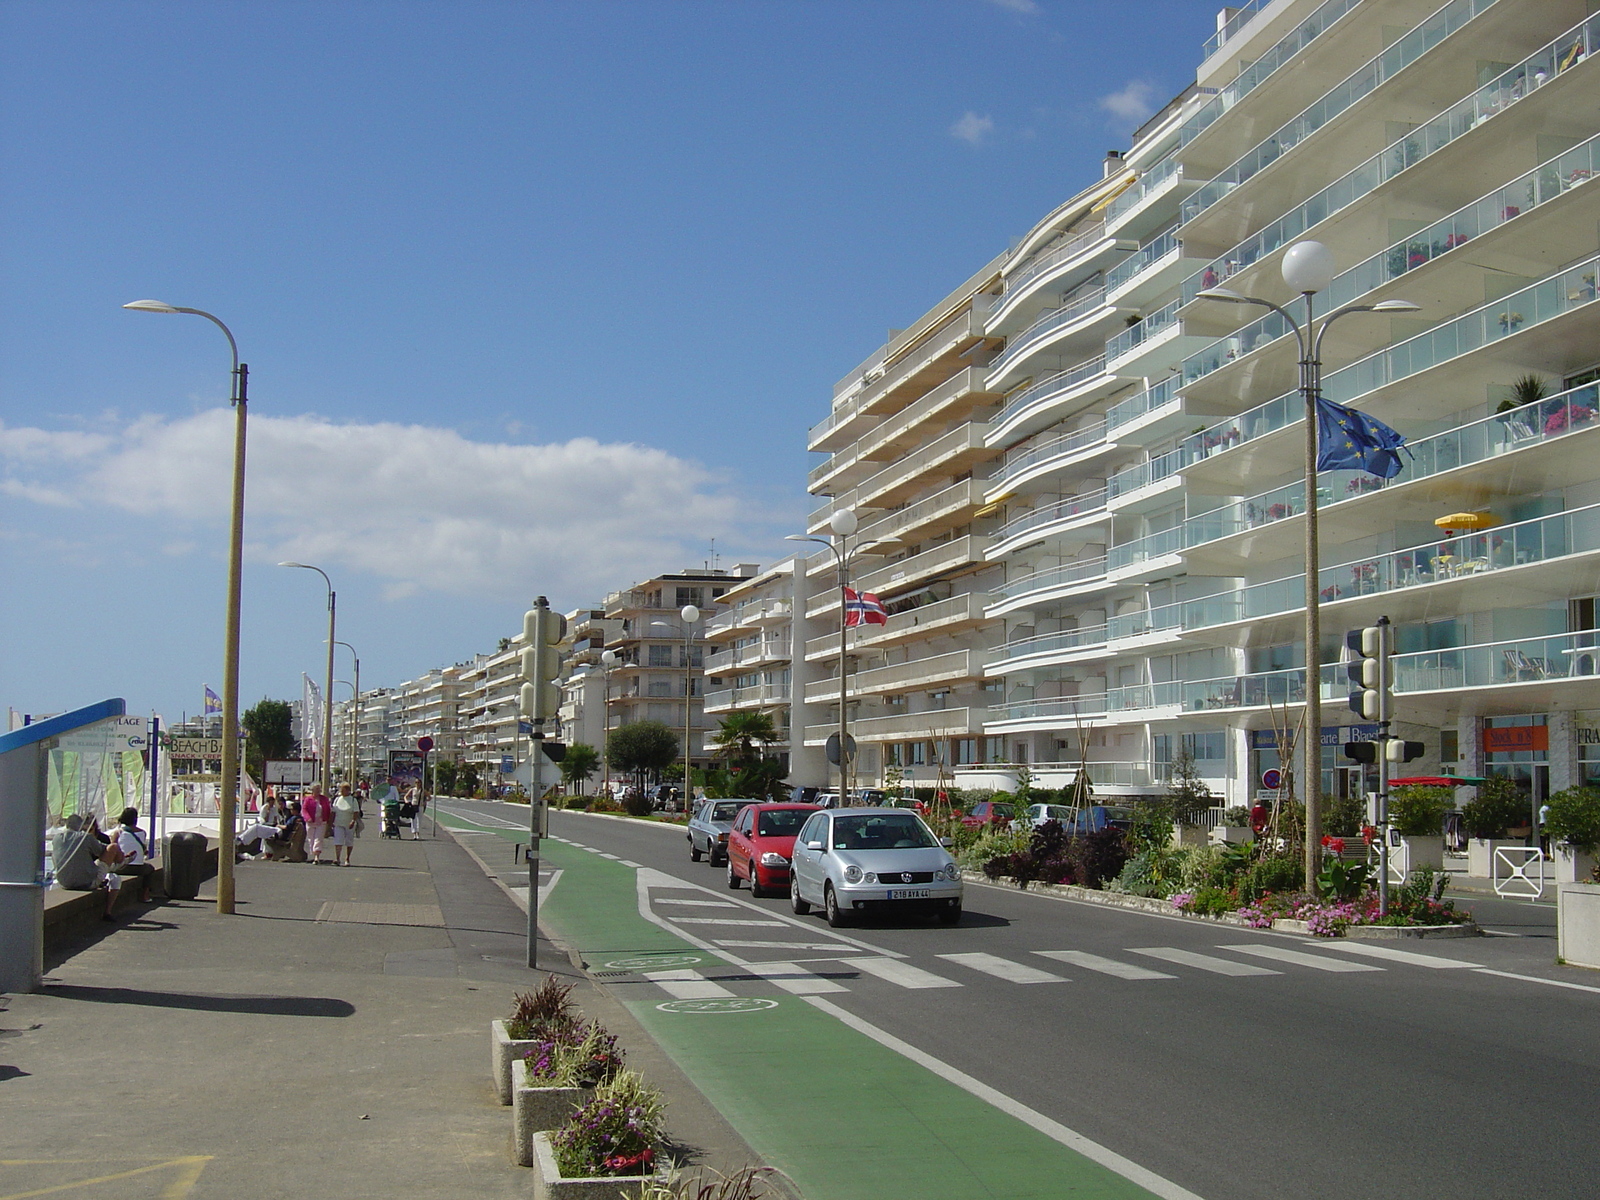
228, 803
843, 525
1308, 269
327, 696
355, 719
608, 659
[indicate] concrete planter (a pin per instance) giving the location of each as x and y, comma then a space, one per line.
1573, 866
1578, 923
1418, 852
550, 1184
537, 1109
503, 1051
1480, 855
1381, 933
1237, 835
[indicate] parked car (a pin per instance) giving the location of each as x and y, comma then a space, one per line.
1040, 814
857, 860
1096, 817
990, 812
665, 798
803, 794
869, 797
761, 844
709, 828
827, 800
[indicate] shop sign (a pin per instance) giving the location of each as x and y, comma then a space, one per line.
1332, 735
1514, 738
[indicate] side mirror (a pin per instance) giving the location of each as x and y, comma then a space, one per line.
947, 842
815, 846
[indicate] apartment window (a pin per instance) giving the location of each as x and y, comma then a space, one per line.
917, 754
892, 756
940, 699
996, 686
691, 595
1210, 746
994, 749
963, 751
1449, 746
660, 656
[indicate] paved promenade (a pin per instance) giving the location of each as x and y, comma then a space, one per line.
331, 1039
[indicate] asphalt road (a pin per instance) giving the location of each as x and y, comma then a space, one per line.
1235, 1063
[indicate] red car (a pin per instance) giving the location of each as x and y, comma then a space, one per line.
990, 812
761, 845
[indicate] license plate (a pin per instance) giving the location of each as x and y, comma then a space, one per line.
909, 894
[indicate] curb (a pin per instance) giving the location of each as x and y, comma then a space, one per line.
1071, 891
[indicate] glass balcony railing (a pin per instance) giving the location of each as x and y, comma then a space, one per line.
1258, 689
1544, 301
1236, 22
1049, 643
1062, 510
1145, 473
1492, 664
1068, 707
1062, 576
1151, 252
1148, 184
1050, 260
1026, 458
1125, 412
1248, 79
1485, 103
1050, 385
1407, 50
1140, 332
1046, 324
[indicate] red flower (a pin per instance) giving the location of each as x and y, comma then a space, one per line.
1326, 840
1368, 832
1337, 845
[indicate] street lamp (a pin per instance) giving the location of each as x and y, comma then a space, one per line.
688, 614
327, 700
608, 659
230, 654
355, 719
843, 524
1308, 269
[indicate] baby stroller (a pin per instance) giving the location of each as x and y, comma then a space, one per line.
391, 818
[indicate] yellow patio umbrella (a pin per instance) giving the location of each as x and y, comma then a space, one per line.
1466, 521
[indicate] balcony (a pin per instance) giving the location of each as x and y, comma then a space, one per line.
1050, 583
756, 695
1049, 649
1135, 207
941, 617
918, 674
944, 510
749, 614
1050, 455
935, 723
769, 650
1060, 269
1144, 408
902, 574
953, 452
1563, 659
1127, 489
1049, 520
1055, 328
1139, 347
1054, 712
1049, 399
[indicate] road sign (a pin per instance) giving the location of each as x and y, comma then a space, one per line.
196, 747
108, 737
833, 747
424, 744
295, 772
507, 764
1272, 778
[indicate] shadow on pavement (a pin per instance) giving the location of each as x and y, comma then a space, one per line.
270, 1006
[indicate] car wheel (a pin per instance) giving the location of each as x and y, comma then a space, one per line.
801, 907
694, 851
733, 877
950, 916
837, 917
756, 889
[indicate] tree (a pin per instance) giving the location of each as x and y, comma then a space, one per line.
444, 777
1187, 793
580, 762
643, 747
757, 779
467, 778
269, 733
743, 735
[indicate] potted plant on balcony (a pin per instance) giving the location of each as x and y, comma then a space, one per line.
608, 1148
1498, 806
1416, 813
556, 1078
543, 1014
1573, 827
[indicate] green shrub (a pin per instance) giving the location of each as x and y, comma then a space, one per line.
574, 802
1418, 811
1498, 806
1151, 873
1575, 818
636, 804
615, 1134
1343, 816
1211, 902
1273, 873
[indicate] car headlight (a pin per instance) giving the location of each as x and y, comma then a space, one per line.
852, 874
950, 872
869, 877
770, 859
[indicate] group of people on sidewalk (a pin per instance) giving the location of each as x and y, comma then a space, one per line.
84, 858
296, 830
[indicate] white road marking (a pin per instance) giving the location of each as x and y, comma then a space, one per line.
723, 921
686, 985
628, 863
1003, 968
1300, 958
794, 979
784, 945
1405, 956
697, 903
902, 974
612, 857
1204, 962
1560, 983
1158, 1186
1106, 966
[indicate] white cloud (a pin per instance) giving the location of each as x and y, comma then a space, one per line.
418, 507
1016, 6
972, 128
1133, 103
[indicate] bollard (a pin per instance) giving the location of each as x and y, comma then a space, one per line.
185, 858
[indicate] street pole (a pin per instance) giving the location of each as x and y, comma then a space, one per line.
327, 695
228, 802
608, 659
690, 614
1385, 716
355, 720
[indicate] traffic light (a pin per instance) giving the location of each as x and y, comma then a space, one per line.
1361, 752
1397, 750
542, 631
1370, 670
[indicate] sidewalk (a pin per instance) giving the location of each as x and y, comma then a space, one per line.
329, 1039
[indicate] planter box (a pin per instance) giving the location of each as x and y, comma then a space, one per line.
1419, 852
1480, 854
1578, 923
548, 1183
1573, 866
503, 1051
1233, 834
539, 1109
1378, 933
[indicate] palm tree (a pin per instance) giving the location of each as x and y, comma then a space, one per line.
743, 735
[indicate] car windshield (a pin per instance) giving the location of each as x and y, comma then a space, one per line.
724, 812
1002, 810
782, 822
880, 831
1118, 814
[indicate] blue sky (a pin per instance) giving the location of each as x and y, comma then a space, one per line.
536, 297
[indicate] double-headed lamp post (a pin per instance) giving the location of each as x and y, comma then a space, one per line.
843, 525
608, 659
1308, 269
355, 719
327, 697
228, 802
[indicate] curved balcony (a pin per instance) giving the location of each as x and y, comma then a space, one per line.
1050, 583
1159, 178
1052, 519
1053, 325
1049, 649
1052, 713
1080, 256
1049, 455
1042, 402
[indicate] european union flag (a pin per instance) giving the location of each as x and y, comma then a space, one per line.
1352, 440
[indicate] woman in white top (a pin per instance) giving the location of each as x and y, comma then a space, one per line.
132, 857
346, 824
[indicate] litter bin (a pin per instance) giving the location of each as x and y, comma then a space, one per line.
185, 864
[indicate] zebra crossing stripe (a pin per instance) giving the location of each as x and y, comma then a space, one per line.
1106, 966
686, 985
1317, 962
1203, 962
900, 973
1405, 956
1003, 968
724, 921
795, 980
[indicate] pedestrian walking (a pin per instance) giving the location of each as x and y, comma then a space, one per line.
346, 825
417, 804
317, 812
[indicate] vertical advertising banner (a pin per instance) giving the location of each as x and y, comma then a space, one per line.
405, 768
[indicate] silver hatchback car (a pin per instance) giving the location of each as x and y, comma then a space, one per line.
858, 860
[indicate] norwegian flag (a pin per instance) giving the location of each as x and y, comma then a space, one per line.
863, 608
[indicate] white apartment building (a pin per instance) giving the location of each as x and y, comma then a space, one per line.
1136, 532
584, 679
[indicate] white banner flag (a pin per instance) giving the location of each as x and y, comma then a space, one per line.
310, 718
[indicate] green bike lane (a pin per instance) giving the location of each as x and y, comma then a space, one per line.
814, 1090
